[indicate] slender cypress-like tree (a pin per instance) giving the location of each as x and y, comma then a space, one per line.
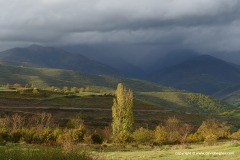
122, 113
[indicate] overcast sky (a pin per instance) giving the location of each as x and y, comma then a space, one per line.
201, 25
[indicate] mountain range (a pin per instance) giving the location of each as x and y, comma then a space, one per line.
186, 71
56, 58
204, 74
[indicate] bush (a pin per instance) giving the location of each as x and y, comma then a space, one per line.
93, 139
173, 127
211, 139
122, 137
88, 139
56, 133
236, 135
4, 134
75, 122
28, 135
67, 142
37, 138
63, 137
96, 138
160, 135
78, 134
143, 135
211, 126
15, 136
107, 134
47, 136
193, 138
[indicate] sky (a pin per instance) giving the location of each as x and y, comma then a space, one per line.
199, 25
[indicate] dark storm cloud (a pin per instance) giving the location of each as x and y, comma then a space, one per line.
196, 24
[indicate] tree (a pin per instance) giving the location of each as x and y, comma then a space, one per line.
74, 89
172, 128
212, 126
122, 114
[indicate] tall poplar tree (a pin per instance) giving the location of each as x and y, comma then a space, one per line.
122, 113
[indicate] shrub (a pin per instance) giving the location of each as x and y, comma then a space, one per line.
15, 136
28, 135
67, 142
75, 122
56, 133
4, 134
236, 135
78, 134
122, 137
37, 138
107, 134
160, 135
88, 139
211, 126
193, 138
173, 129
211, 139
47, 136
143, 135
96, 138
63, 137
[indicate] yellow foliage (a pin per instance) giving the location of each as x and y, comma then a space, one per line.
236, 135
122, 137
143, 135
160, 135
211, 126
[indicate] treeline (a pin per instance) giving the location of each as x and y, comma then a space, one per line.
65, 89
41, 129
173, 131
206, 103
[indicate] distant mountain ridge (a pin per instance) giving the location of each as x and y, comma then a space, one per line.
51, 57
204, 74
183, 69
45, 77
111, 58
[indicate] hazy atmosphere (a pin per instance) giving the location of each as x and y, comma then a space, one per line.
142, 27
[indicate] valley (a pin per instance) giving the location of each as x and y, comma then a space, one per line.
54, 100
119, 80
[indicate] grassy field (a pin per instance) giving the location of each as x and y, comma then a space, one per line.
230, 151
223, 150
37, 152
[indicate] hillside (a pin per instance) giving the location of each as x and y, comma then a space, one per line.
185, 102
204, 74
44, 77
230, 95
50, 57
153, 102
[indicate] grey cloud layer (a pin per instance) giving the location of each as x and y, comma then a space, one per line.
196, 24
